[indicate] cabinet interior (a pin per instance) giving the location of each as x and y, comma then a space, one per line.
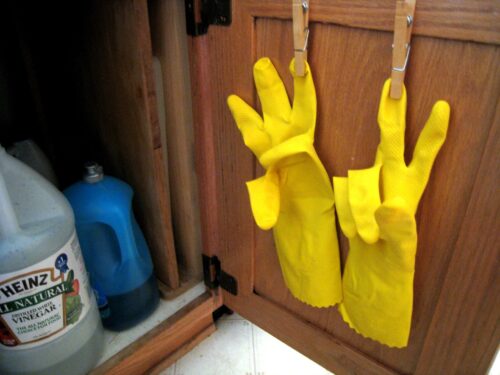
80, 79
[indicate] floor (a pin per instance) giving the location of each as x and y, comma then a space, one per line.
238, 347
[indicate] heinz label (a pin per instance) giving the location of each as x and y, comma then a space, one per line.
42, 302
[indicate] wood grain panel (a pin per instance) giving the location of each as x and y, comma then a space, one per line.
206, 157
222, 161
120, 101
168, 30
350, 61
464, 332
451, 19
347, 135
182, 351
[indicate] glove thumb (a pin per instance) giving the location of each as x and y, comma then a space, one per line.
265, 199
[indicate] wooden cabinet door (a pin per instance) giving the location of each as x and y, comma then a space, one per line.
455, 56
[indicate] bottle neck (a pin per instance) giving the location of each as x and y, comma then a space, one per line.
93, 173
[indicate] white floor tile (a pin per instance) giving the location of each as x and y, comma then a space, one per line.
229, 351
169, 371
495, 366
273, 357
233, 316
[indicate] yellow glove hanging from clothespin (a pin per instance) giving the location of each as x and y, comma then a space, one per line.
295, 196
378, 277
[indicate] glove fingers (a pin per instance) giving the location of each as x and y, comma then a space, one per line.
250, 125
271, 90
431, 139
304, 100
364, 199
391, 119
344, 214
265, 200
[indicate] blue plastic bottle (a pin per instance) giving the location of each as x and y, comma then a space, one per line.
114, 248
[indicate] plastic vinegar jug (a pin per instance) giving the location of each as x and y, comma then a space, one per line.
49, 322
29, 153
114, 248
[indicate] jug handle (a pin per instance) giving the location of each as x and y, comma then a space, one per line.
126, 239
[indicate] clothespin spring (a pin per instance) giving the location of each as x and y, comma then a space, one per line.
409, 22
403, 68
304, 49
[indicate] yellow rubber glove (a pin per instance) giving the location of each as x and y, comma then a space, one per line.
378, 277
295, 196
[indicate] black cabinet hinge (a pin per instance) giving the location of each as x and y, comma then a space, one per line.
202, 13
214, 275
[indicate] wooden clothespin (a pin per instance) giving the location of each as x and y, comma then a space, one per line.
403, 25
300, 34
